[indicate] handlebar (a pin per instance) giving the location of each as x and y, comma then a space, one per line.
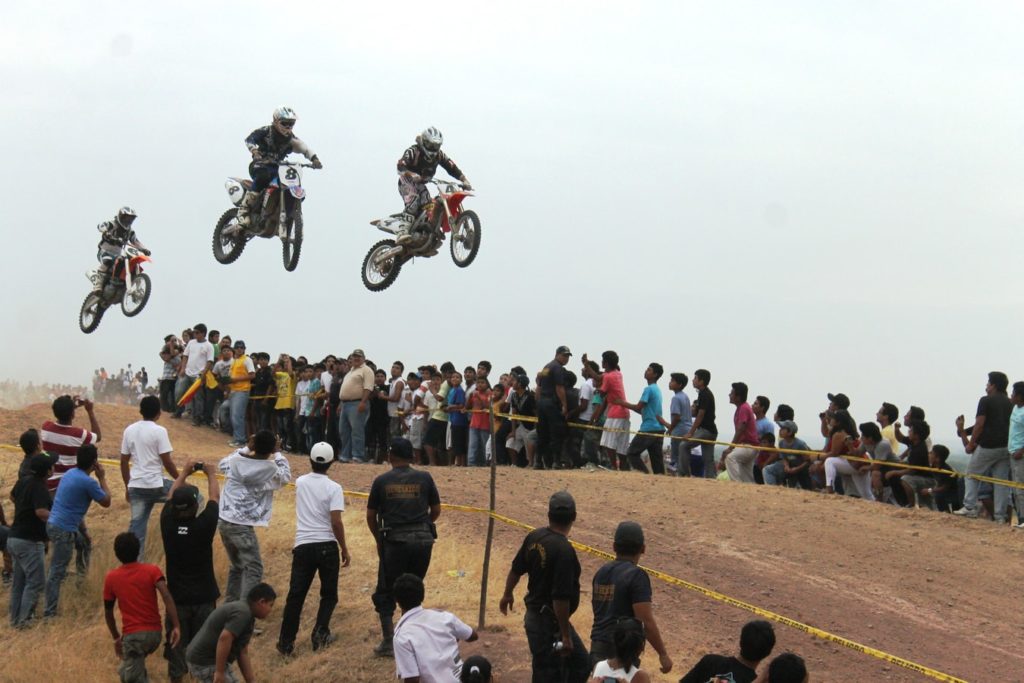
263, 161
447, 183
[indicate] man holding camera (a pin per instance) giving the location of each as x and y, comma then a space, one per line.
188, 546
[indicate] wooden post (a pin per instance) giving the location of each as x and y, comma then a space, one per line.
482, 620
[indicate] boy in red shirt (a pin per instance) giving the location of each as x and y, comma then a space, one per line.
134, 586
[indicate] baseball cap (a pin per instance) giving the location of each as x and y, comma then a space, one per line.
321, 453
563, 349
478, 664
401, 448
40, 464
788, 425
840, 400
358, 352
239, 344
562, 500
629, 532
184, 497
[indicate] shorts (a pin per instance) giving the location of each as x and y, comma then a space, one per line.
460, 439
617, 441
416, 429
918, 482
522, 436
435, 434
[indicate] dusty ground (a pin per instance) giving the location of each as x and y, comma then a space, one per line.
931, 588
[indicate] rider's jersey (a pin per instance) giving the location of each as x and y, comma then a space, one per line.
273, 145
414, 160
114, 236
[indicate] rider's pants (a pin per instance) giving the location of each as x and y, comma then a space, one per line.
414, 194
262, 175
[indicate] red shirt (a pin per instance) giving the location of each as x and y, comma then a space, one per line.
744, 413
63, 440
612, 388
133, 586
480, 401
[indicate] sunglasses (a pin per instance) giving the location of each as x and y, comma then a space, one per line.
287, 124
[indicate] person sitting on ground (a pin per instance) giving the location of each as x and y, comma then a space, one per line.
426, 641
875, 446
943, 494
757, 639
133, 587
856, 475
786, 668
792, 468
914, 482
624, 666
225, 635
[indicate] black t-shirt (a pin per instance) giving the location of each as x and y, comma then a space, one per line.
263, 381
553, 568
712, 666
617, 586
403, 496
379, 406
945, 481
30, 494
553, 375
25, 468
188, 546
706, 402
524, 404
996, 409
918, 455
334, 395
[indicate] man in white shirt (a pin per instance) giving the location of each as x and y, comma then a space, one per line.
319, 533
197, 361
251, 475
426, 641
148, 448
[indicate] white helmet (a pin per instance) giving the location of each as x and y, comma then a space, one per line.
430, 142
321, 453
126, 216
284, 113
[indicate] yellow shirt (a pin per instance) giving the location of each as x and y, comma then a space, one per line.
889, 434
240, 368
285, 391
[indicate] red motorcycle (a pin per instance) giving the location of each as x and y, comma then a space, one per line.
385, 259
126, 284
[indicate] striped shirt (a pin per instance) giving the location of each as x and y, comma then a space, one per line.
63, 441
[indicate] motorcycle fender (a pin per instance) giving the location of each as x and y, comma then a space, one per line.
235, 190
297, 192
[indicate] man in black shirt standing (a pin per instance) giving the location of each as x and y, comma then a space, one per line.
401, 511
188, 546
552, 410
552, 596
704, 421
988, 447
26, 540
621, 589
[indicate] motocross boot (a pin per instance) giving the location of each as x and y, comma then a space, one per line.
99, 278
245, 207
404, 233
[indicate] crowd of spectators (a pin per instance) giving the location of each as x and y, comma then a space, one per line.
15, 394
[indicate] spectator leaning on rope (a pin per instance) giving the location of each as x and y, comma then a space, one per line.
240, 382
986, 442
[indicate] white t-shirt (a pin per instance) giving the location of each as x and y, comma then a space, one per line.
316, 497
395, 406
305, 402
426, 644
144, 441
421, 392
602, 668
587, 394
325, 380
199, 354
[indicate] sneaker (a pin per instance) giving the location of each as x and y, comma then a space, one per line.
403, 237
235, 444
966, 512
1019, 525
590, 467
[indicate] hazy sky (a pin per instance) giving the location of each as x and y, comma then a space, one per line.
805, 196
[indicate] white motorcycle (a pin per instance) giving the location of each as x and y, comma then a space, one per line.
270, 217
386, 258
126, 283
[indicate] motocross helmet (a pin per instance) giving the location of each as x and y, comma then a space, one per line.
429, 142
125, 217
284, 120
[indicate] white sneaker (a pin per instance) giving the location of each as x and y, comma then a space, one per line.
966, 512
1019, 525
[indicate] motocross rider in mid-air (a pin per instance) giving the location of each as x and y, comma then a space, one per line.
418, 164
114, 235
269, 146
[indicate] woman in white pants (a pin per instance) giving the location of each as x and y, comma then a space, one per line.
843, 441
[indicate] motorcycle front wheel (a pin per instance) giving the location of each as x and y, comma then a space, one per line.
465, 238
291, 243
91, 313
227, 248
378, 277
136, 298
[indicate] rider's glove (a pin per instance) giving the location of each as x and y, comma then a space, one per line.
145, 251
465, 184
317, 163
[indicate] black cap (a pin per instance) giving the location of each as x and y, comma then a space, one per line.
239, 344
629, 532
184, 497
40, 464
563, 349
402, 449
560, 501
480, 664
840, 400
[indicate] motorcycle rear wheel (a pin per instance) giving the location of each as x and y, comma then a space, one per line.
465, 238
378, 278
227, 248
136, 298
91, 313
291, 243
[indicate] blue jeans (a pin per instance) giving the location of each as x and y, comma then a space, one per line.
29, 576
352, 428
243, 550
239, 401
60, 557
774, 474
181, 385
141, 502
478, 446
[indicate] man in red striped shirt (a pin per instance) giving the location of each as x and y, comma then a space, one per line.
62, 438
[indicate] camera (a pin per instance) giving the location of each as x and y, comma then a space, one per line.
198, 467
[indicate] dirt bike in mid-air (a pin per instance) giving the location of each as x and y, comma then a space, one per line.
279, 212
126, 284
386, 258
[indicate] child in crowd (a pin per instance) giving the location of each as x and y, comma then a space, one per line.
437, 423
314, 420
943, 493
628, 642
458, 419
426, 641
305, 408
284, 406
756, 642
479, 422
416, 420
133, 587
786, 668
